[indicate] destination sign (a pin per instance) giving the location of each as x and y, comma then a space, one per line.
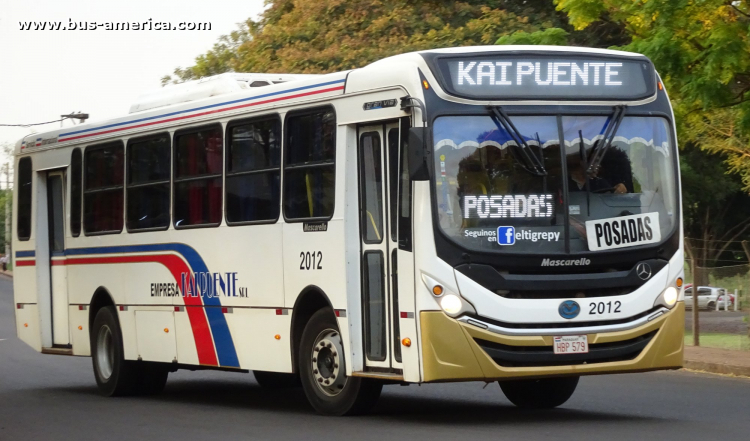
551, 77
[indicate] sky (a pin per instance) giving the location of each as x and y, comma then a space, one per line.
45, 74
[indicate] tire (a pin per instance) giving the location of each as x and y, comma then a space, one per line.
711, 306
150, 378
114, 375
545, 393
276, 380
323, 371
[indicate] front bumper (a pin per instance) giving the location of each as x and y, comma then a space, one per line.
456, 351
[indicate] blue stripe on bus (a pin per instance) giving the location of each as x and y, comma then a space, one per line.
225, 349
200, 108
25, 253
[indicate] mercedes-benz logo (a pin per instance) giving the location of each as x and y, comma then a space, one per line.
643, 270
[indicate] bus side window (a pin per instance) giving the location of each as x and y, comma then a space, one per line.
197, 177
253, 171
404, 191
309, 170
148, 183
103, 188
76, 177
24, 199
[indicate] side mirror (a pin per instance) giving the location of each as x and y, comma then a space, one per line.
418, 167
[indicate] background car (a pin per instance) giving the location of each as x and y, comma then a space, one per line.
708, 296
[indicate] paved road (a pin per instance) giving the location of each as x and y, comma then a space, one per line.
52, 397
728, 322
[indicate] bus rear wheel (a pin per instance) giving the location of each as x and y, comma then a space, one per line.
322, 370
545, 393
114, 375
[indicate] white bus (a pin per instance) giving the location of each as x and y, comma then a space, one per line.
506, 214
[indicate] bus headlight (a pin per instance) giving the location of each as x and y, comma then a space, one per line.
668, 297
451, 304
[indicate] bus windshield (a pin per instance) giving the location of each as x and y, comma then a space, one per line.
491, 197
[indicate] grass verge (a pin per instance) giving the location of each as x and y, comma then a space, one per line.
721, 341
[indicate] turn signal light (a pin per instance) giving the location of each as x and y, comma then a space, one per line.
425, 84
166, 329
80, 328
277, 337
679, 282
406, 342
25, 325
437, 290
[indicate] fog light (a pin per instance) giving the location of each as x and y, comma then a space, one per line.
670, 296
450, 303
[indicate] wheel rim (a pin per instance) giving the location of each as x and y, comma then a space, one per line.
327, 360
105, 352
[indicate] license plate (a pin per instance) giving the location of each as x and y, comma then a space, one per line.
571, 344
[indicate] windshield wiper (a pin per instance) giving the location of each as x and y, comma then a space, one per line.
532, 164
609, 136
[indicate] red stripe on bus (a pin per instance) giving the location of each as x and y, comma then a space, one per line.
203, 341
299, 95
24, 263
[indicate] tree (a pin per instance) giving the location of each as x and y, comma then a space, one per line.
702, 50
317, 36
716, 211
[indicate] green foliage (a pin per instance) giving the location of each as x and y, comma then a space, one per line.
550, 36
715, 209
317, 36
735, 342
702, 50
4, 195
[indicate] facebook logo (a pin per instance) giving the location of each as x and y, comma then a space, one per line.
506, 235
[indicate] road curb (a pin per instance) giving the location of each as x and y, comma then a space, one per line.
717, 368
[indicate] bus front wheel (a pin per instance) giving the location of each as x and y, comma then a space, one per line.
323, 370
545, 393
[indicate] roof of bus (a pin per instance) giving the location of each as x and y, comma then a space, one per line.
322, 85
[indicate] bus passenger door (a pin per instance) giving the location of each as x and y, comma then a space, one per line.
58, 271
377, 244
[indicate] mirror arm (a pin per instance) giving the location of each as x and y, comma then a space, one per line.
409, 102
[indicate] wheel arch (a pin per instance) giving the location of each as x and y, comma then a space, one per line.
310, 300
101, 299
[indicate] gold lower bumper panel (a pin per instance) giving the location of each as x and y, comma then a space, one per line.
455, 351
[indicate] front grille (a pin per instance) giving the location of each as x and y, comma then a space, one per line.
566, 293
535, 356
554, 283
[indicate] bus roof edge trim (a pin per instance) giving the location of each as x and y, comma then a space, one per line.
208, 87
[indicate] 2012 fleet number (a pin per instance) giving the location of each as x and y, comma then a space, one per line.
605, 307
311, 260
